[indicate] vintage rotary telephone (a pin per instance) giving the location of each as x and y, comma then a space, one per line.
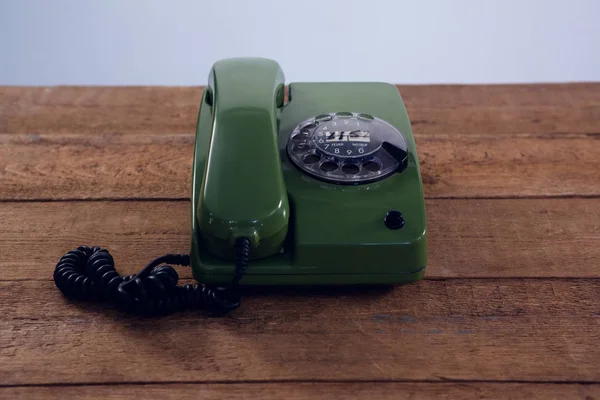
322, 189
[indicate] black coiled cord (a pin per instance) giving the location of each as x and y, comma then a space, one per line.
88, 273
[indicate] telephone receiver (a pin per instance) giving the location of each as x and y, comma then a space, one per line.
319, 187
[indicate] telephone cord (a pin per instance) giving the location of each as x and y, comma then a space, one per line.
88, 273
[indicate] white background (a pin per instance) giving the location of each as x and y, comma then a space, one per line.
144, 42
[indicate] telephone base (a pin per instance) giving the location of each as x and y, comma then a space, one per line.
376, 268
326, 184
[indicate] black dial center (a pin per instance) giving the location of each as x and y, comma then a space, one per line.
346, 138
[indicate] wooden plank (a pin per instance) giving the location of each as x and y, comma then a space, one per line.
499, 330
516, 166
432, 108
98, 110
297, 391
78, 166
501, 95
503, 109
467, 238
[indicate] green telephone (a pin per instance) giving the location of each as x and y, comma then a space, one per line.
321, 188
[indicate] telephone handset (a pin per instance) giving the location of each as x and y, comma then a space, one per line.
322, 188
241, 193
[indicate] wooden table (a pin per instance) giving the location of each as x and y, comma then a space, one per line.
510, 306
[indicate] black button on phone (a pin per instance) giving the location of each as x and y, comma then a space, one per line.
394, 220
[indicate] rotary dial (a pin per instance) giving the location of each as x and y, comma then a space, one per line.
347, 147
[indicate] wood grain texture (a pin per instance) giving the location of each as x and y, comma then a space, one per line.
433, 109
111, 166
510, 307
473, 141
501, 330
467, 238
298, 391
98, 110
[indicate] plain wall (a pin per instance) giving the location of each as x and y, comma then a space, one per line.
146, 42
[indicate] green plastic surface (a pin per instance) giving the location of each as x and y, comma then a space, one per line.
335, 233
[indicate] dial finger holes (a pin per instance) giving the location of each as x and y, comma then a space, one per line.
329, 166
350, 169
301, 147
300, 136
311, 158
371, 166
323, 117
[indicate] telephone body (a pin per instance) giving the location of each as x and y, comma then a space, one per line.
324, 185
